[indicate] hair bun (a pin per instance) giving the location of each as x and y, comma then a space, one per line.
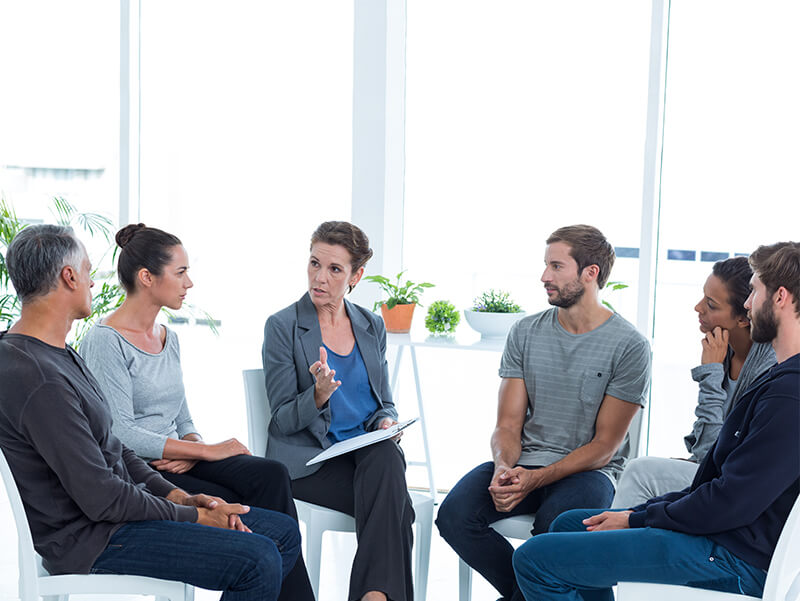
127, 233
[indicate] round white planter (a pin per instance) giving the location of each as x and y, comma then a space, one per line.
492, 325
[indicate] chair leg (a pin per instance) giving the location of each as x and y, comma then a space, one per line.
313, 555
424, 523
464, 581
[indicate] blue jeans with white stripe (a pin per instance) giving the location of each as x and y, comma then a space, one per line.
570, 564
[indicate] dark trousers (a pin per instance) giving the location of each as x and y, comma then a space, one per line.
370, 485
246, 567
467, 510
252, 481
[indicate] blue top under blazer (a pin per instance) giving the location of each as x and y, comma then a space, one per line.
297, 429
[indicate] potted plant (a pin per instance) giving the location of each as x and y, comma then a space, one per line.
493, 313
398, 308
442, 318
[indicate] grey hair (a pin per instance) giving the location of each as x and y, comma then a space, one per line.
36, 256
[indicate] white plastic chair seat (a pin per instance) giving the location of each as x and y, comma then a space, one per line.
105, 584
518, 526
35, 582
644, 591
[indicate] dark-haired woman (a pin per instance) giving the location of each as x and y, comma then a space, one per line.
729, 362
137, 363
327, 381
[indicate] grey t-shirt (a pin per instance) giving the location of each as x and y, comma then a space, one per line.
567, 376
144, 390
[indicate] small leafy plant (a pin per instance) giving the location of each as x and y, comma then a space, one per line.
442, 317
398, 293
495, 301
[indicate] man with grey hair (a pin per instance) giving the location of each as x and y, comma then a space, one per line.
92, 504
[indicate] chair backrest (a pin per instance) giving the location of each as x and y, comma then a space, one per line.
258, 410
30, 563
783, 578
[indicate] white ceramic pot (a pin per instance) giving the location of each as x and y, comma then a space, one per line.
492, 325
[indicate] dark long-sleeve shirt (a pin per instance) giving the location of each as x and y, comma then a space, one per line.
78, 483
746, 486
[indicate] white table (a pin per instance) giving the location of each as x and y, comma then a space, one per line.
465, 341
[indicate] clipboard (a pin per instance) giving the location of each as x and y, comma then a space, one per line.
361, 441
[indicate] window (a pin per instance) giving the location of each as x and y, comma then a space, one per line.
729, 174
521, 117
246, 113
59, 109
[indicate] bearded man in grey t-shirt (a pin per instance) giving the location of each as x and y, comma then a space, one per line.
573, 378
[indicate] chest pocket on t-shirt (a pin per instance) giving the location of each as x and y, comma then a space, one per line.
593, 386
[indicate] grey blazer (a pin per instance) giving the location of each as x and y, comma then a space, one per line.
292, 337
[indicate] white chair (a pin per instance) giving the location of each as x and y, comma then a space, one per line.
518, 527
35, 582
319, 519
783, 577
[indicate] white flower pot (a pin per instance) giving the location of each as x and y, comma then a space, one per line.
492, 325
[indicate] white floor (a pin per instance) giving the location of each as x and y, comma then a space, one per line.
338, 552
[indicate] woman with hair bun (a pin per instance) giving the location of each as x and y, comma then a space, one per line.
137, 363
327, 380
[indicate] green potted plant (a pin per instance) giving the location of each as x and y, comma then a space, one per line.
493, 313
442, 318
398, 308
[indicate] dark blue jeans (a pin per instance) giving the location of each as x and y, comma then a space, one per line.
245, 566
256, 482
570, 564
465, 514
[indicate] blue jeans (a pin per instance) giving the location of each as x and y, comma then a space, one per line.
465, 514
570, 564
247, 567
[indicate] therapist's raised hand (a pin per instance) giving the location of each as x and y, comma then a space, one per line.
325, 384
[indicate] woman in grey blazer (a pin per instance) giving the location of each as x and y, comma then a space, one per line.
327, 380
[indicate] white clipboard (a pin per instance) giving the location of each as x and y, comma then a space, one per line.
358, 442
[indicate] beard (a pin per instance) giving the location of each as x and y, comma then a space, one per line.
567, 295
763, 325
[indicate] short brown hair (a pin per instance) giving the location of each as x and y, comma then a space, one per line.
778, 265
351, 237
588, 246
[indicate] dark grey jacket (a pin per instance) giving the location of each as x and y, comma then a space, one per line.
292, 337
